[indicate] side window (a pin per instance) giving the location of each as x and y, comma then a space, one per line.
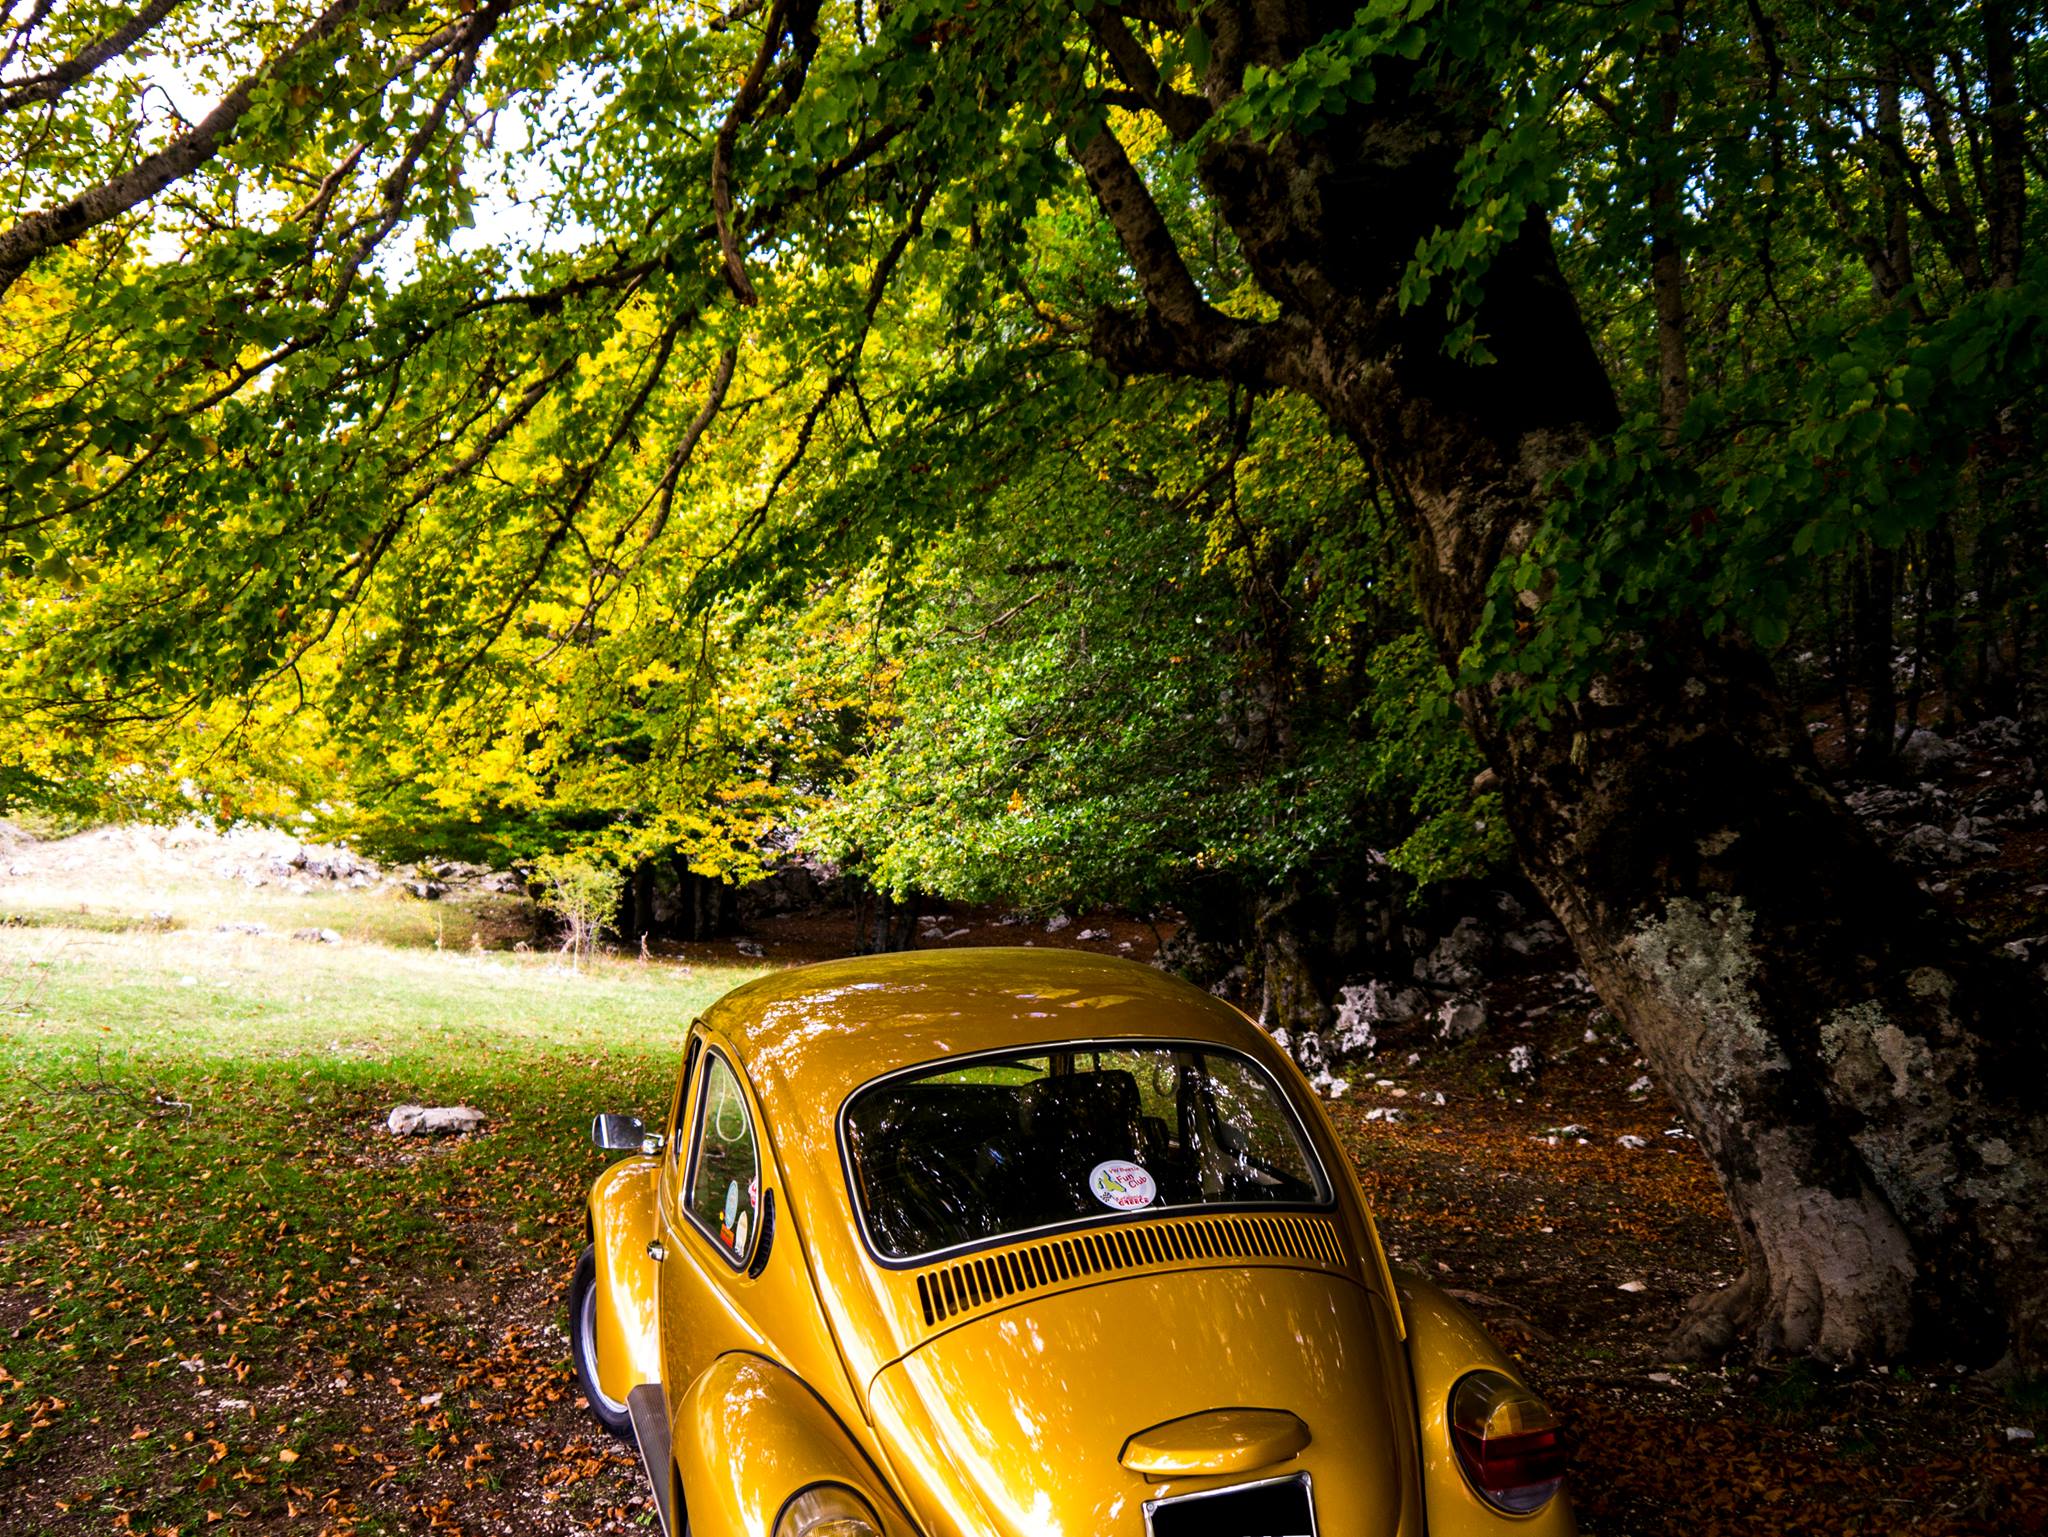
725, 1173
676, 1139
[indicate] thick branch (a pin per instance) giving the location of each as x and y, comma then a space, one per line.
47, 230
1178, 330
55, 82
1182, 114
1957, 216
744, 104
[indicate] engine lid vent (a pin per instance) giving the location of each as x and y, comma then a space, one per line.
946, 1291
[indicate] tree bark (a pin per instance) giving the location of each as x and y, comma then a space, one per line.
1875, 595
1866, 1079
1291, 993
1667, 251
1943, 597
2006, 199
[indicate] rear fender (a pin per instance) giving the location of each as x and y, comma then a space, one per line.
749, 1436
622, 1216
1444, 1343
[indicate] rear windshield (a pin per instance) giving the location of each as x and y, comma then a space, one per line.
1005, 1144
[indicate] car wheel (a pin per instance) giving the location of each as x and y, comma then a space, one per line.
583, 1346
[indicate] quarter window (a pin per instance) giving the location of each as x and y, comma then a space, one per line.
676, 1138
725, 1169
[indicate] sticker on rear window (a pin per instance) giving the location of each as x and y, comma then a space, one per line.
1123, 1186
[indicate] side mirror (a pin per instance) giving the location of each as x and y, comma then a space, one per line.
618, 1133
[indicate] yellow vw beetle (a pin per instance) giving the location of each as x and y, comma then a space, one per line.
1029, 1243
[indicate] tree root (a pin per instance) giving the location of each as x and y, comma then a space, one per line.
1716, 1321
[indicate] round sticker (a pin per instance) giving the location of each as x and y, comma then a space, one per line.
1124, 1186
732, 1202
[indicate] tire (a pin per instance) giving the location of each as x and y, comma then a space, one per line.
610, 1412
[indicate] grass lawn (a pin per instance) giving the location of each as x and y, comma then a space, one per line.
230, 1300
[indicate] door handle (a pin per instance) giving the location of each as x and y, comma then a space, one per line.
655, 1251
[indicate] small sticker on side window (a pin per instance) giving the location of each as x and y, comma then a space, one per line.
1122, 1186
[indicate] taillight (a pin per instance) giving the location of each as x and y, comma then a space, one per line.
1508, 1443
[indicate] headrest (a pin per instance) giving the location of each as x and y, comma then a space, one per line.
1108, 1099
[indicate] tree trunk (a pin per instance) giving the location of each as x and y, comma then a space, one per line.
1667, 253
1291, 995
1864, 1080
1876, 581
705, 907
1867, 1081
2005, 200
1943, 596
882, 925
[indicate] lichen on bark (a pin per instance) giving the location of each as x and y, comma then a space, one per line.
1698, 956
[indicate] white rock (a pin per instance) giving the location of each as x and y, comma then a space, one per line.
1460, 1019
1925, 754
1632, 1286
1460, 957
1630, 1141
1355, 1019
433, 1120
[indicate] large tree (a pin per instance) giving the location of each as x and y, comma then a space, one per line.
1865, 1078
216, 461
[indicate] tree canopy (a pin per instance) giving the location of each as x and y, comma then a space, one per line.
763, 303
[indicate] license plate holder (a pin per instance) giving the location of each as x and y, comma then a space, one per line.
1270, 1507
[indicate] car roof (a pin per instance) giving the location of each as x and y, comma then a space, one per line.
810, 1035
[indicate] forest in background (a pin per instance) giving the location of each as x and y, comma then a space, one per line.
1255, 461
